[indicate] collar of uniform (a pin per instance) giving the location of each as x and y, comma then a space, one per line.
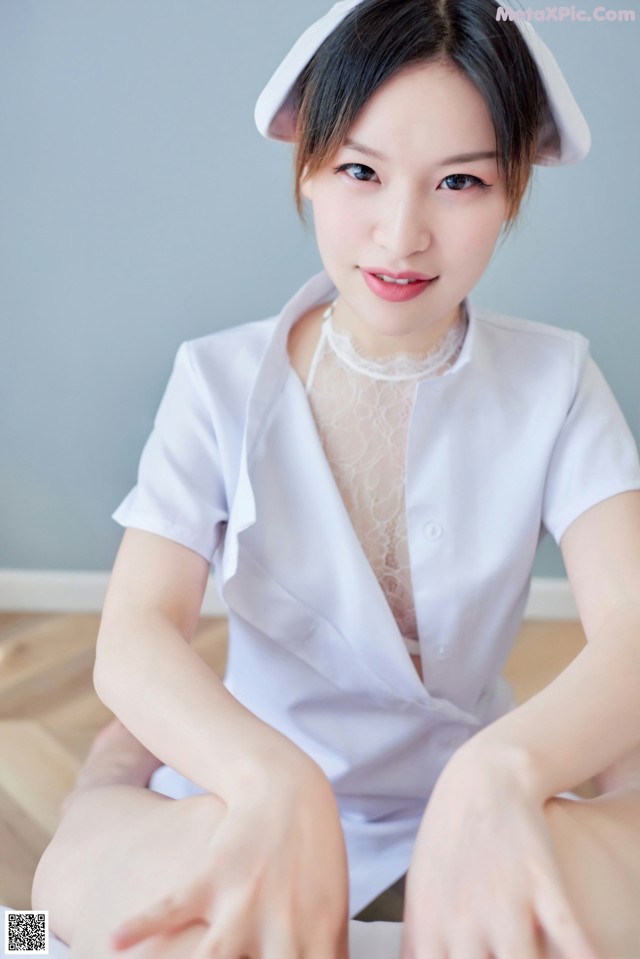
275, 360
467, 350
274, 366
270, 380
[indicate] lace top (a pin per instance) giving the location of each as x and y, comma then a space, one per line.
362, 408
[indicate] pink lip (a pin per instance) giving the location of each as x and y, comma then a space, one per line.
409, 275
393, 293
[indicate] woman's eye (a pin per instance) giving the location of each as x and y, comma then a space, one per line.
455, 180
357, 171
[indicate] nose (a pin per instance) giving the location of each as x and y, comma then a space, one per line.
402, 227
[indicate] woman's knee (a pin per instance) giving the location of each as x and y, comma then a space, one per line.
110, 824
62, 871
152, 858
596, 842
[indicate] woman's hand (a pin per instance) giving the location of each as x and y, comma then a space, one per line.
273, 882
484, 882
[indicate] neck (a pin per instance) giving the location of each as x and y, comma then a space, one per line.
378, 345
401, 365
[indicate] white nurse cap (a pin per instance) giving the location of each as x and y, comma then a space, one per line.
565, 136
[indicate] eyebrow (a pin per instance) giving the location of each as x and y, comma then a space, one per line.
458, 158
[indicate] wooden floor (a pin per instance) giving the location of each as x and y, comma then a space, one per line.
49, 714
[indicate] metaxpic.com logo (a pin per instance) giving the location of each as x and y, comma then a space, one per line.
570, 14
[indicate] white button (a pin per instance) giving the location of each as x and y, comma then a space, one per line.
432, 531
441, 652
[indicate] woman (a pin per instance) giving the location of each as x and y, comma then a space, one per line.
385, 421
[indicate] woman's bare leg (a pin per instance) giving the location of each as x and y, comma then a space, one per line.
120, 847
597, 843
115, 756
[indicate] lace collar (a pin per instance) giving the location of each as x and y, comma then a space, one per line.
397, 366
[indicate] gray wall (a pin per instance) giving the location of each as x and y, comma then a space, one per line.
139, 207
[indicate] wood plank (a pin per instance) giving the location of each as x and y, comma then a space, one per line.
29, 697
44, 645
36, 772
22, 843
75, 721
542, 651
9, 619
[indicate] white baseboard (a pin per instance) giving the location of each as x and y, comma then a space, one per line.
551, 599
74, 592
71, 592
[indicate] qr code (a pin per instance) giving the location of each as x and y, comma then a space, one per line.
26, 932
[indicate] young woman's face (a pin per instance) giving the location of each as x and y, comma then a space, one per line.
394, 201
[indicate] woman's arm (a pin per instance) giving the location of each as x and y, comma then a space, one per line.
273, 874
484, 857
158, 686
589, 716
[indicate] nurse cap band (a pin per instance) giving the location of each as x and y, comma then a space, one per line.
565, 137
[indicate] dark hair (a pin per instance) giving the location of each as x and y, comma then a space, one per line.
379, 37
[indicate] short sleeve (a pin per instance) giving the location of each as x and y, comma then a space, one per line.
595, 455
180, 491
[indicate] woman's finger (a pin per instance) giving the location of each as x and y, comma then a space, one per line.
561, 926
515, 937
168, 915
416, 945
230, 932
279, 942
469, 944
337, 947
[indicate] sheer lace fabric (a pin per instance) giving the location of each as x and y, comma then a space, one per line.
362, 408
